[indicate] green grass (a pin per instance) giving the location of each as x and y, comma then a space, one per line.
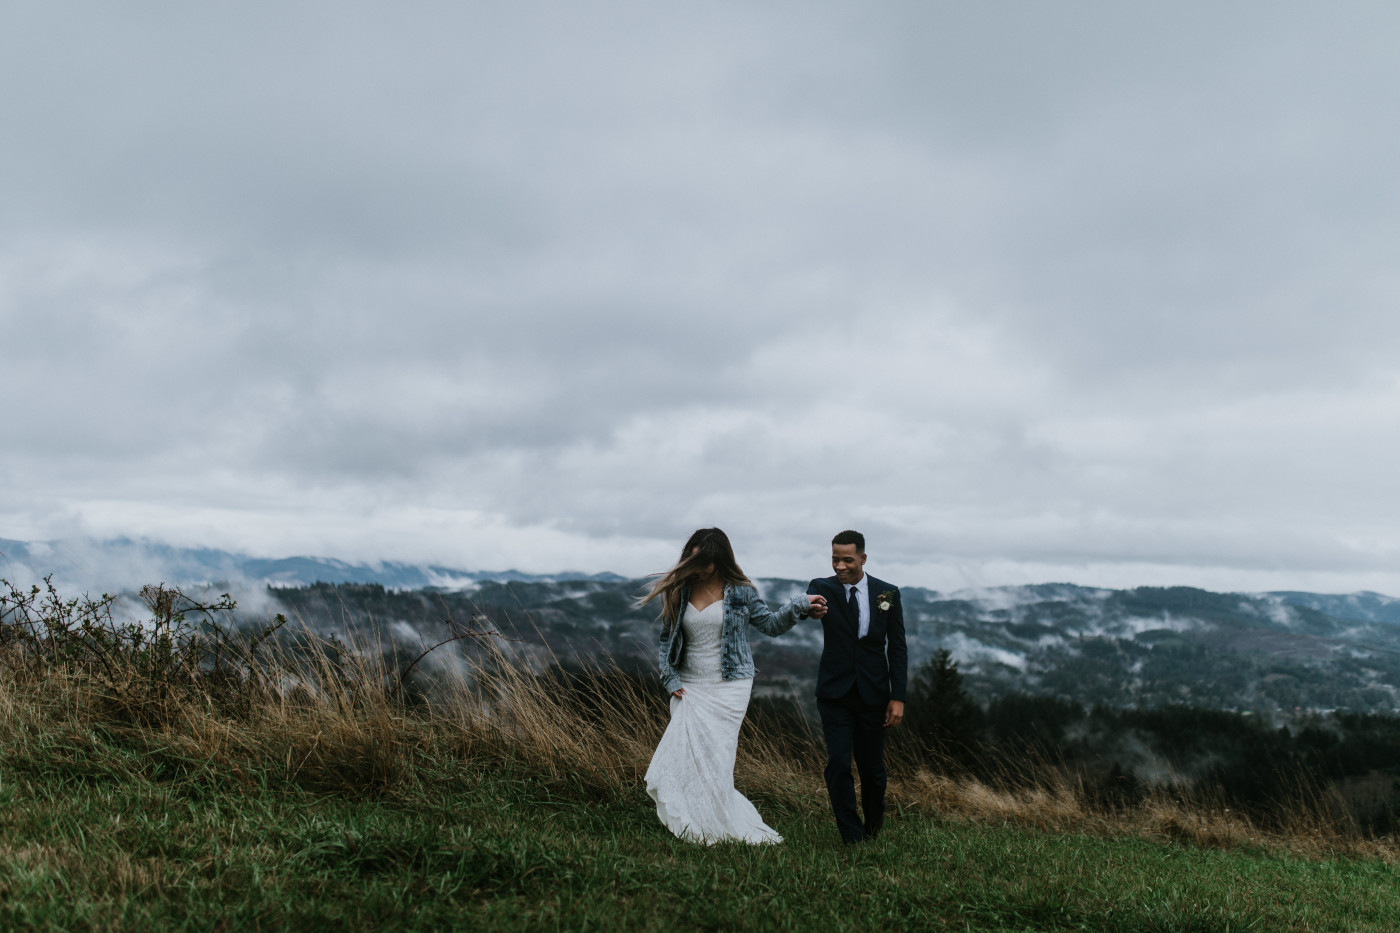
96, 834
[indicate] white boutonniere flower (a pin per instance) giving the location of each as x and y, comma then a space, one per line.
885, 600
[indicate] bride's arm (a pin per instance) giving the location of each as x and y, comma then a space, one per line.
775, 623
669, 676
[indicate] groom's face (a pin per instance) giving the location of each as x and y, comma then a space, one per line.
848, 563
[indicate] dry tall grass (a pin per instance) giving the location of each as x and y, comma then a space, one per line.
322, 715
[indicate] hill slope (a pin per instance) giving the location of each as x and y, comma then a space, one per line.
492, 849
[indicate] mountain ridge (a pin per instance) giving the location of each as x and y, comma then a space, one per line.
208, 566
205, 566
1151, 646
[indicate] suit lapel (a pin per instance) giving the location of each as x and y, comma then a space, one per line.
852, 622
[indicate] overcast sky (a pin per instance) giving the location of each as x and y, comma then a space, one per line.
1098, 292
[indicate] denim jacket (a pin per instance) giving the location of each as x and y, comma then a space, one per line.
742, 607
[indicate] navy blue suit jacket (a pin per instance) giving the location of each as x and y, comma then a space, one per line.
878, 663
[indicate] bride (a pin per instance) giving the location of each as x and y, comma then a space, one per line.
707, 605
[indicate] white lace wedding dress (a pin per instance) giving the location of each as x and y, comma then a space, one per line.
691, 776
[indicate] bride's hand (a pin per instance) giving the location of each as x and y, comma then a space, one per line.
678, 693
817, 607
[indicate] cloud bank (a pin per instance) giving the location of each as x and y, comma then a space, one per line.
1083, 292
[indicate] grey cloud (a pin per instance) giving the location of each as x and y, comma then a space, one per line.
1041, 288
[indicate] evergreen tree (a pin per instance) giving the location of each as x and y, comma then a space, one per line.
940, 713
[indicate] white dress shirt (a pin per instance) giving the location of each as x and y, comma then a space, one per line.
862, 591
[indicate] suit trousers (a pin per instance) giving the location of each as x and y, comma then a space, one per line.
854, 728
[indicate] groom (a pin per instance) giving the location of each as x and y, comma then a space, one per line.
860, 683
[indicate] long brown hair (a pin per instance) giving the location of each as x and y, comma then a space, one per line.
706, 547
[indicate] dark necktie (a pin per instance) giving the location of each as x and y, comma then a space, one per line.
854, 605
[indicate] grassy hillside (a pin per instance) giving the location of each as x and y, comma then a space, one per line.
99, 837
147, 782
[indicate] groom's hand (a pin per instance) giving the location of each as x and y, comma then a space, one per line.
817, 606
894, 713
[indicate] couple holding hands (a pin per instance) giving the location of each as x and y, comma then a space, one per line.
707, 605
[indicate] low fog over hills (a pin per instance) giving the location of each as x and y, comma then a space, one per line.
1151, 646
1144, 647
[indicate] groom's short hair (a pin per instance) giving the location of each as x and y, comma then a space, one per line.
851, 537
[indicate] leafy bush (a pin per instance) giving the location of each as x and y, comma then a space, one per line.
140, 667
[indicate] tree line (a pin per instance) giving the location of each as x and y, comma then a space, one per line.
1119, 755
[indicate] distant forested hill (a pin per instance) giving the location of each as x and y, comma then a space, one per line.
1143, 647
